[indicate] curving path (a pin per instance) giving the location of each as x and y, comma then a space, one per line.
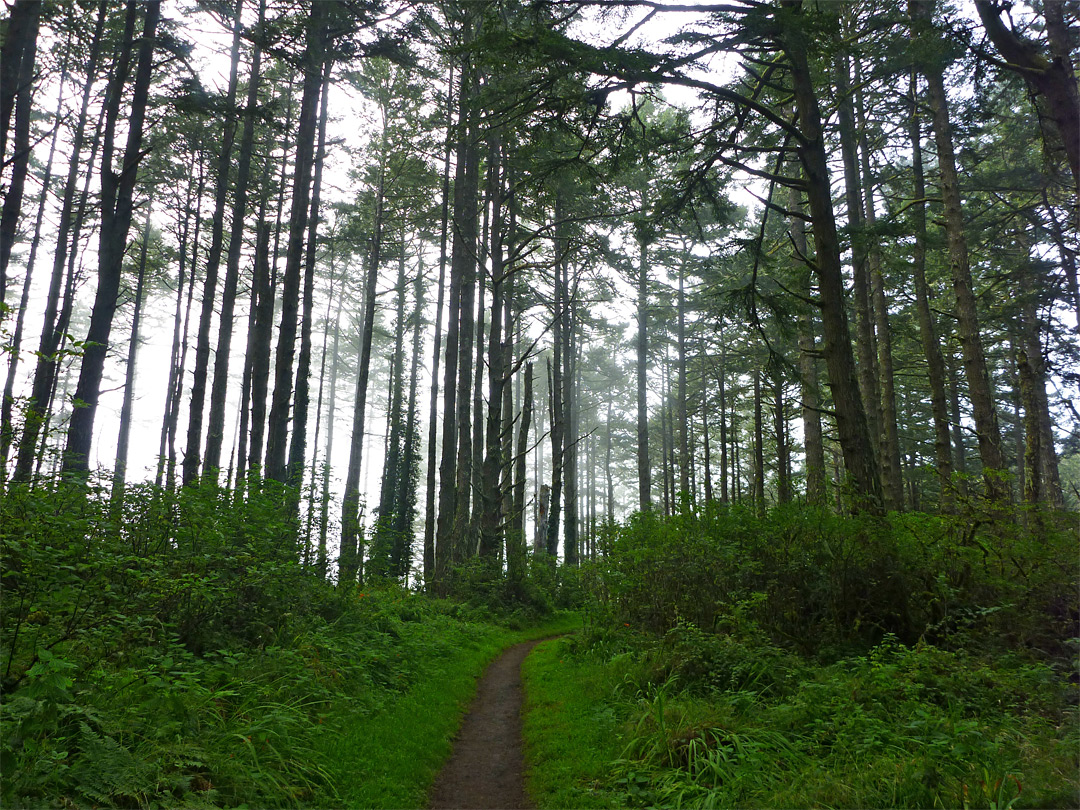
486, 769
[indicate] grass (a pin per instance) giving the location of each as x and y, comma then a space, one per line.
898, 727
570, 730
390, 757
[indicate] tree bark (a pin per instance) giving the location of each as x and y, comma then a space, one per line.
436, 356
193, 451
16, 89
935, 363
1050, 75
967, 318
215, 430
116, 209
278, 426
51, 335
644, 474
852, 427
123, 439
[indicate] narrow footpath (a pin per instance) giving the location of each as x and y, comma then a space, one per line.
487, 769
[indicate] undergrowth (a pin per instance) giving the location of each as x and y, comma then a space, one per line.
808, 660
170, 651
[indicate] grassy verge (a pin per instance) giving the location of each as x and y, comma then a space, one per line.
629, 725
571, 730
390, 756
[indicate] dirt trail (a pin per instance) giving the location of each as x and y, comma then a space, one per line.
486, 769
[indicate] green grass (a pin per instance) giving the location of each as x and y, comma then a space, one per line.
571, 731
898, 727
389, 757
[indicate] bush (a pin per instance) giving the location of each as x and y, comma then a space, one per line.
833, 585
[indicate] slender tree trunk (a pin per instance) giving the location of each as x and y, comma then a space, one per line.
45, 369
259, 342
193, 451
123, 439
644, 475
6, 404
810, 388
302, 386
706, 447
516, 548
178, 358
959, 445
967, 318
684, 422
278, 426
351, 559
852, 427
491, 494
759, 447
892, 480
215, 430
436, 356
571, 434
609, 477
20, 59
935, 363
116, 208
405, 505
783, 472
721, 378
864, 327
454, 472
320, 553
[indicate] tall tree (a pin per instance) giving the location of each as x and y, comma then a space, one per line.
967, 316
312, 64
116, 209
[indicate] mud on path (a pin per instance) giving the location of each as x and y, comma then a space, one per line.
487, 770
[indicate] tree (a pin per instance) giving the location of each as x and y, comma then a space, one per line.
116, 210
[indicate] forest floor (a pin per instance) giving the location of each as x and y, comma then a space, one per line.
487, 769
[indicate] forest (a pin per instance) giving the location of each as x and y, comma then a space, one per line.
727, 351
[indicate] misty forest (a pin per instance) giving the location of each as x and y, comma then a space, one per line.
720, 358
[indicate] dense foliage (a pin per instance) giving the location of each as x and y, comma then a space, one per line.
804, 659
171, 651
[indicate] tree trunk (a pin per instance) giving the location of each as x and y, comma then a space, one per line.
491, 494
324, 478
193, 454
178, 356
571, 533
219, 386
278, 426
16, 89
810, 387
935, 363
759, 447
892, 480
967, 318
724, 474
302, 386
123, 439
644, 474
116, 208
516, 547
852, 427
45, 369
783, 477
7, 403
864, 327
351, 559
684, 422
436, 356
